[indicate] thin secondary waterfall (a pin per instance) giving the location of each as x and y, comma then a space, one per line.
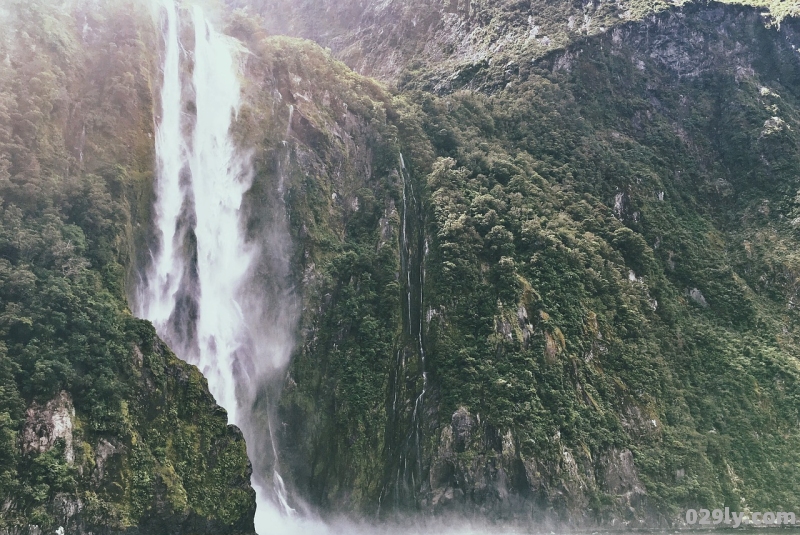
199, 290
407, 459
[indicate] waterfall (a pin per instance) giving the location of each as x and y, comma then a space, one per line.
219, 181
408, 457
199, 289
158, 301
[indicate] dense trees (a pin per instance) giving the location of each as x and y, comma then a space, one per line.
594, 254
594, 234
146, 440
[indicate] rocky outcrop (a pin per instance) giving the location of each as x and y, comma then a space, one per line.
478, 471
619, 477
45, 424
130, 472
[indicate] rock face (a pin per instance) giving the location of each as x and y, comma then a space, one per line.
384, 39
620, 477
443, 43
533, 346
477, 472
46, 424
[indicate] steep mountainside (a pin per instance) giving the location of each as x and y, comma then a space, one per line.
549, 274
103, 429
440, 44
596, 290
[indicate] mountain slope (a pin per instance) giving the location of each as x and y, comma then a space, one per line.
438, 45
607, 301
544, 281
103, 429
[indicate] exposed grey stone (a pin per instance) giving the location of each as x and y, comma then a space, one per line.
44, 425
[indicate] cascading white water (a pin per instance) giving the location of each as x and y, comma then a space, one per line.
201, 183
158, 301
219, 181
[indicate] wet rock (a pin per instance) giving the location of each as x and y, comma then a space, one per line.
697, 296
621, 478
103, 452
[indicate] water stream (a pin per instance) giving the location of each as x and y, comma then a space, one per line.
157, 302
219, 297
198, 290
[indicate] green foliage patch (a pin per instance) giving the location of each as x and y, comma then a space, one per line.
146, 444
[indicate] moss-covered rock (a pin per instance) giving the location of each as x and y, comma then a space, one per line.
581, 245
103, 429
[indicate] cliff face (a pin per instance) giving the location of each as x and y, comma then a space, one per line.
593, 263
329, 159
103, 429
550, 276
433, 44
395, 39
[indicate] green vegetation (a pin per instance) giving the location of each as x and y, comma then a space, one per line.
611, 268
594, 279
599, 265
339, 166
146, 445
